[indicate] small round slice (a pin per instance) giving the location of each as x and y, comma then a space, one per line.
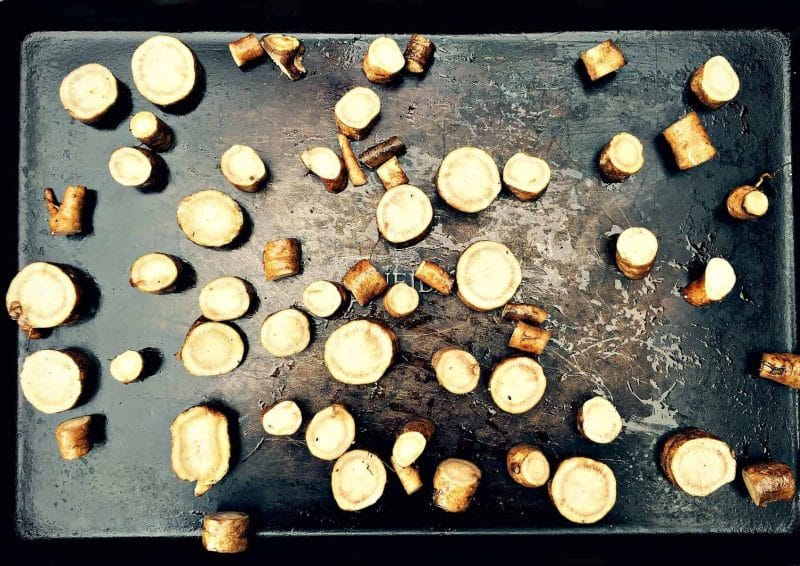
282, 419
324, 298
225, 298
133, 167
127, 367
155, 273
359, 352
404, 215
456, 370
285, 333
526, 176
358, 480
622, 157
151, 131
329, 167
411, 441
383, 60
715, 82
42, 295
210, 218
212, 348
636, 252
164, 70
697, 462
716, 283
527, 465
330, 432
52, 380
89, 92
599, 421
487, 276
517, 384
583, 490
357, 111
242, 166
468, 179
401, 300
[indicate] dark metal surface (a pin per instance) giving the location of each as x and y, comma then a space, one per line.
664, 364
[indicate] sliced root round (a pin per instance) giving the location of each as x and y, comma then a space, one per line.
285, 333
52, 380
583, 490
201, 447
689, 141
780, 367
697, 462
324, 298
391, 173
517, 384
468, 179
404, 215
529, 338
636, 252
383, 60
330, 432
715, 82
155, 273
151, 131
603, 59
456, 370
164, 70
358, 480
210, 218
769, 482
487, 275
526, 176
329, 167
401, 300
359, 352
411, 441
226, 532
225, 298
246, 50
419, 54
89, 92
282, 419
356, 112
622, 157
287, 53
435, 276
282, 258
212, 348
599, 421
747, 203
716, 283
365, 281
243, 168
454, 484
134, 167
73, 437
527, 465
42, 295
127, 367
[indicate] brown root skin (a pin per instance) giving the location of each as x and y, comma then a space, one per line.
603, 59
769, 482
781, 368
609, 165
391, 174
524, 312
435, 277
419, 54
281, 258
689, 141
151, 131
226, 532
365, 282
409, 477
287, 53
529, 338
66, 219
422, 426
631, 271
354, 171
335, 184
246, 50
73, 437
382, 152
736, 203
454, 484
674, 442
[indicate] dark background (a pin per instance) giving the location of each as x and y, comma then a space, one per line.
17, 18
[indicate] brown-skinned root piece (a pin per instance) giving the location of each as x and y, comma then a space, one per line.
583, 490
226, 532
408, 476
599, 421
746, 203
689, 141
527, 465
383, 61
401, 300
411, 440
201, 448
365, 282
697, 462
66, 219
769, 482
376, 344
391, 174
358, 480
487, 275
781, 368
356, 112
715, 82
354, 171
381, 152
435, 277
73, 437
287, 53
404, 215
151, 131
636, 252
164, 70
622, 157
468, 179
324, 298
210, 218
52, 380
330, 432
225, 298
127, 367
42, 295
135, 167
454, 484
282, 419
243, 168
246, 50
281, 258
715, 284
89, 92
524, 312
329, 167
517, 384
285, 333
603, 59
529, 338
155, 273
526, 176
456, 370
211, 349
419, 54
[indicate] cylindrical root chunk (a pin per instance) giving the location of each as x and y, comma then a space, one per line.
66, 219
225, 298
201, 447
134, 167
409, 477
454, 484
52, 380
383, 60
517, 384
487, 275
636, 252
211, 348
210, 218
419, 54
358, 480
404, 215
717, 281
365, 282
356, 111
330, 432
526, 176
783, 368
285, 333
524, 312
354, 171
468, 179
527, 465
164, 70
456, 370
769, 482
246, 50
42, 295
282, 419
599, 421
411, 441
529, 338
151, 131
622, 157
747, 203
359, 352
715, 82
583, 490
435, 277
281, 258
326, 165
391, 173
689, 141
226, 532
603, 59
127, 367
401, 300
89, 92
155, 273
381, 152
697, 462
287, 53
324, 298
243, 168
73, 437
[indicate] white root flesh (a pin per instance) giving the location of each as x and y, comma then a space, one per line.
622, 157
527, 465
151, 131
487, 275
409, 477
689, 142
89, 92
155, 273
526, 176
210, 218
411, 441
603, 59
456, 370
454, 484
356, 112
243, 168
360, 352
401, 300
358, 480
383, 60
282, 258
127, 367
282, 419
201, 447
715, 82
211, 348
226, 532
517, 384
224, 298
164, 70
599, 421
134, 167
365, 282
42, 295
329, 167
52, 380
287, 53
73, 437
468, 179
716, 283
246, 50
697, 462
636, 252
391, 173
330, 432
324, 298
583, 490
404, 215
285, 333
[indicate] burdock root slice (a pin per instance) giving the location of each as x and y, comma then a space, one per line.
73, 437
127, 367
246, 50
401, 300
411, 441
287, 53
689, 141
243, 168
419, 54
155, 273
380, 153
599, 421
404, 215
282, 258
383, 60
354, 171
434, 276
360, 352
456, 370
525, 312
356, 112
529, 338
636, 252
324, 298
454, 484
211, 348
527, 465
468, 179
358, 480
282, 419
285, 333
135, 167
201, 449
603, 59
365, 282
697, 462
330, 432
66, 219
52, 380
210, 218
151, 131
781, 368
329, 167
622, 157
225, 298
583, 490
226, 532
487, 276
409, 477
747, 203
89, 92
526, 176
715, 82
517, 384
716, 283
769, 482
164, 70
42, 295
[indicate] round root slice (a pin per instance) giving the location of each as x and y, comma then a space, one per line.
468, 179
133, 167
583, 490
454, 483
287, 53
282, 258
527, 465
282, 419
599, 421
526, 176
210, 218
88, 92
226, 532
404, 214
324, 298
285, 333
383, 61
697, 462
359, 352
401, 300
151, 131
622, 157
716, 283
225, 298
73, 437
127, 366
358, 480
636, 252
715, 83
456, 370
411, 442
42, 295
212, 348
325, 164
155, 273
747, 203
52, 380
201, 447
164, 70
330, 432
517, 384
242, 166
356, 111
487, 276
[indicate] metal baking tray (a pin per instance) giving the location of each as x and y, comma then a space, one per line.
666, 365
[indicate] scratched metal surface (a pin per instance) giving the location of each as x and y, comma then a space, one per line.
665, 365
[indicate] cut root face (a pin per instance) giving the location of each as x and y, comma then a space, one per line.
73, 437
383, 60
324, 298
527, 465
285, 333
287, 53
155, 273
365, 282
715, 82
282, 258
89, 92
603, 59
716, 283
210, 218
151, 131
356, 112
747, 203
599, 421
404, 215
243, 168
226, 532
401, 300
517, 384
358, 480
325, 164
454, 484
769, 482
330, 432
526, 176
689, 142
201, 448
411, 441
434, 276
391, 174
42, 295
52, 380
127, 367
622, 157
583, 490
164, 70
456, 370
211, 348
225, 298
636, 252
529, 338
468, 179
282, 419
134, 167
360, 352
697, 462
487, 275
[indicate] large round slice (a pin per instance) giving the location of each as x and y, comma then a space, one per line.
358, 480
88, 92
285, 333
225, 298
599, 421
360, 352
212, 348
41, 295
487, 276
468, 179
210, 218
517, 384
697, 462
330, 432
201, 447
52, 380
356, 111
583, 490
164, 70
404, 214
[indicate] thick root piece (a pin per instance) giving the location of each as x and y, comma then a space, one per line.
434, 276
354, 171
42, 295
226, 532
411, 441
517, 384
210, 218
526, 176
360, 352
529, 338
151, 131
285, 333
365, 282
73, 437
356, 112
599, 421
524, 312
391, 173
358, 480
622, 157
211, 348
201, 447
716, 283
456, 370
324, 298
409, 477
330, 432
164, 70
155, 273
603, 59
127, 367
746, 203
782, 368
66, 219
527, 465
89, 92
454, 484
134, 167
381, 152
697, 462
769, 482
404, 215
246, 50
326, 165
636, 252
715, 82
487, 275
287, 53
243, 168
282, 258
52, 380
282, 419
419, 54
468, 179
225, 298
583, 490
383, 61
689, 141
401, 300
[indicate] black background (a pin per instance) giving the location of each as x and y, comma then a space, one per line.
17, 18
